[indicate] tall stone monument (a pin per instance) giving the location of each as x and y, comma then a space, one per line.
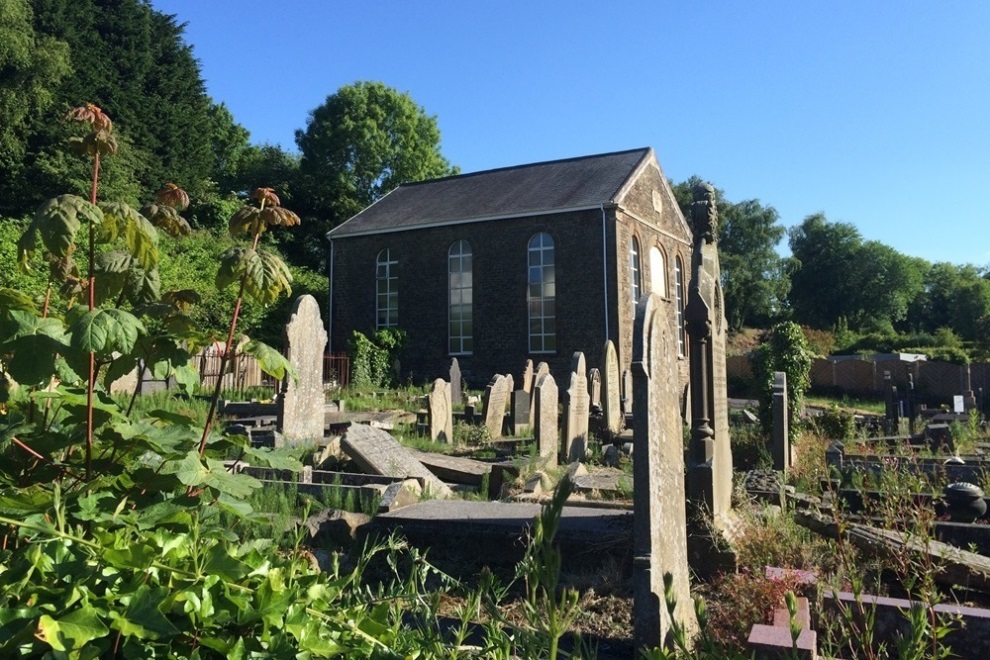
546, 426
440, 412
710, 455
456, 393
660, 517
542, 369
781, 436
301, 406
612, 394
494, 402
577, 408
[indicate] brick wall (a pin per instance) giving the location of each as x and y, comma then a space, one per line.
500, 252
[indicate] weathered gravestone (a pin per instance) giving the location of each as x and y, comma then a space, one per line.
781, 439
576, 411
546, 426
519, 411
301, 406
542, 369
627, 392
595, 388
377, 452
660, 527
612, 396
710, 463
440, 412
493, 405
456, 393
526, 383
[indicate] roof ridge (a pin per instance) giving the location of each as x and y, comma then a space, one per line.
524, 166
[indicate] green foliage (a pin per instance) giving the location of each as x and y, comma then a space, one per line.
362, 142
371, 359
784, 349
835, 423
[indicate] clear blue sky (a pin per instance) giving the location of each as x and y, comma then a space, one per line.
874, 112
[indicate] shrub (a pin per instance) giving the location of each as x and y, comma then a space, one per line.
785, 350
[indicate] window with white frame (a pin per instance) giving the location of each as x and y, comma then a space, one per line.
679, 294
634, 272
541, 295
459, 286
386, 290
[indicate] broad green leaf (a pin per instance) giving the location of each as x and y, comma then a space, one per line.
136, 555
237, 485
190, 470
143, 285
277, 459
270, 361
222, 563
71, 631
268, 279
19, 323
142, 618
233, 265
239, 508
11, 299
187, 377
34, 343
112, 270
138, 233
57, 221
103, 331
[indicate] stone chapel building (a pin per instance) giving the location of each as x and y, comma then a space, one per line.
535, 261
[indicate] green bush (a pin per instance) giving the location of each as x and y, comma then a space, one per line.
371, 360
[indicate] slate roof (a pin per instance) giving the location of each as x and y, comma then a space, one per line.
559, 185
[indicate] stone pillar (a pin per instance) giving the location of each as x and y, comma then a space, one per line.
781, 426
660, 518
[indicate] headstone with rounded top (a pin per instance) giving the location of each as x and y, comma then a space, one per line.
612, 395
576, 410
440, 412
301, 407
493, 405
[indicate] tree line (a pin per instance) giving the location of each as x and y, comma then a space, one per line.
365, 139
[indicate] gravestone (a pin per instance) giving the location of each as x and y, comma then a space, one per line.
493, 405
526, 382
542, 369
660, 525
627, 392
595, 389
377, 452
456, 393
519, 411
546, 426
301, 406
612, 396
781, 439
710, 454
440, 412
576, 411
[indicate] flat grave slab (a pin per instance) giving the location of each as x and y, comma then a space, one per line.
495, 532
377, 452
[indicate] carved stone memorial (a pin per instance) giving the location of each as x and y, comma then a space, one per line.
440, 412
456, 393
612, 395
710, 462
301, 407
493, 405
781, 439
576, 410
660, 523
546, 429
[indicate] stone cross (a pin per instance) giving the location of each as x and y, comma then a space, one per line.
612, 397
546, 428
456, 394
660, 516
576, 410
440, 412
493, 405
781, 439
301, 406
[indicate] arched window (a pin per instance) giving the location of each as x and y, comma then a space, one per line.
386, 290
541, 295
679, 294
634, 271
459, 285
658, 272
